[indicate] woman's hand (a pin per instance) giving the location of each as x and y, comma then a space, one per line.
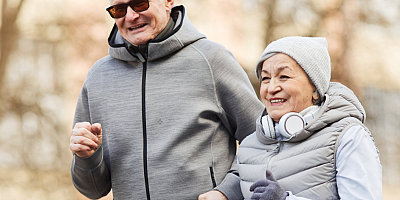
267, 189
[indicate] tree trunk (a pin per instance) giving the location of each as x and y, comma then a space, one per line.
8, 35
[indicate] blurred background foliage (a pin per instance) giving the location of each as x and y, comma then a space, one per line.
47, 47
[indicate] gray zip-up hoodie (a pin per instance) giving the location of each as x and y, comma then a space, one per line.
170, 118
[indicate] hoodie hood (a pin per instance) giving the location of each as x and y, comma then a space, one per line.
183, 34
340, 103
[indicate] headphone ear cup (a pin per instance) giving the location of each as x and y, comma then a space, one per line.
290, 124
268, 125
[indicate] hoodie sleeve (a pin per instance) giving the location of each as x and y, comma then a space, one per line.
230, 186
240, 105
236, 95
90, 175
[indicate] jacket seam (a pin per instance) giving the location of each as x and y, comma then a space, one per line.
91, 178
212, 76
339, 138
95, 167
333, 178
84, 92
216, 102
308, 151
306, 169
179, 40
212, 152
94, 183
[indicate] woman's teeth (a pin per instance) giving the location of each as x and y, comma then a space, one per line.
278, 100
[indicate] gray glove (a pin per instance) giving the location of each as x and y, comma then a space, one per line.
267, 189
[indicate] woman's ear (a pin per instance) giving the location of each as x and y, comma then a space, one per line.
316, 98
315, 95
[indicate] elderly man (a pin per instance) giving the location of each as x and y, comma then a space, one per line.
158, 118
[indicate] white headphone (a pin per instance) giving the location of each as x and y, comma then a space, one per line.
289, 124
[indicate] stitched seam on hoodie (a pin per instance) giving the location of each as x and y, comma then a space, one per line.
216, 102
181, 43
211, 73
94, 183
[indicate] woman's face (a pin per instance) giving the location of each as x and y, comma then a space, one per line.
285, 86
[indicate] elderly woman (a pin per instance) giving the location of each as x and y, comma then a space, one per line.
311, 136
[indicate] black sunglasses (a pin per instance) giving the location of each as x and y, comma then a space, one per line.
119, 10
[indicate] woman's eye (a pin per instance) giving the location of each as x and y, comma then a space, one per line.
285, 77
265, 79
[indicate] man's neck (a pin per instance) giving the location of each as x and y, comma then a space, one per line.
142, 48
168, 29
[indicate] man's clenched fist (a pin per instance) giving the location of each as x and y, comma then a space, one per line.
85, 139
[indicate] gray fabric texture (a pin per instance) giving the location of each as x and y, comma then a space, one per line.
198, 101
304, 165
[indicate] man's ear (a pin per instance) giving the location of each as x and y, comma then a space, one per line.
169, 4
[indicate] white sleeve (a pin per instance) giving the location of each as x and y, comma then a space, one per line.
359, 171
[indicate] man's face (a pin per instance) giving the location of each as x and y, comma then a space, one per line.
140, 27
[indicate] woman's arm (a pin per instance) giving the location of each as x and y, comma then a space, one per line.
359, 171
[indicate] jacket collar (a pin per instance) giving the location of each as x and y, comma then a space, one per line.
340, 102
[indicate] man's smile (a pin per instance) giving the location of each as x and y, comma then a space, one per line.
137, 27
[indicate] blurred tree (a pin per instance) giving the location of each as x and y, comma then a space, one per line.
37, 74
8, 32
332, 19
335, 20
45, 56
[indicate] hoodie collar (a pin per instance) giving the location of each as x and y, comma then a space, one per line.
182, 34
140, 51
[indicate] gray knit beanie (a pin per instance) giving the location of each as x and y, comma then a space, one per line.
311, 53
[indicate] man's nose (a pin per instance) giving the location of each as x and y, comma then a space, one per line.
131, 14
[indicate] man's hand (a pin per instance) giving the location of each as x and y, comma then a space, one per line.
213, 195
85, 139
267, 189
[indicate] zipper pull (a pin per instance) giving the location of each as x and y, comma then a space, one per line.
141, 58
279, 147
276, 149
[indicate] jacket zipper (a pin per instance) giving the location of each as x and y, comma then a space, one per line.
137, 52
276, 151
213, 177
145, 169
